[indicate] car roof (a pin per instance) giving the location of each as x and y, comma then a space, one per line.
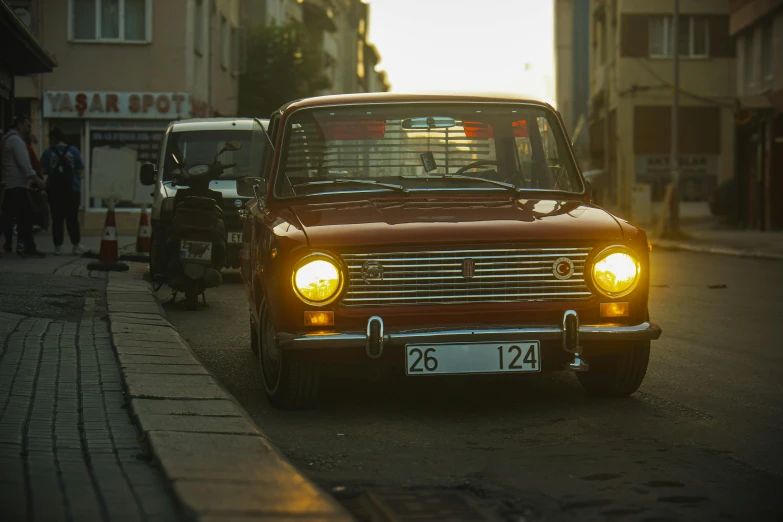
385, 97
200, 124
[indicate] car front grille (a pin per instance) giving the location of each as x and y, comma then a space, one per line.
437, 277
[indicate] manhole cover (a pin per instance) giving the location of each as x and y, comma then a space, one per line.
447, 506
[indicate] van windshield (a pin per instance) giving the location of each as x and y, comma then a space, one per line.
201, 146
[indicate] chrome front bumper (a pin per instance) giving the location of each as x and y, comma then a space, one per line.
391, 337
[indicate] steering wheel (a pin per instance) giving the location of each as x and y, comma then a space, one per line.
479, 163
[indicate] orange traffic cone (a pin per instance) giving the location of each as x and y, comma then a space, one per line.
144, 233
108, 258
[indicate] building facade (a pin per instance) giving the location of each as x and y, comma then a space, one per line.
757, 28
21, 55
340, 27
126, 69
631, 74
572, 65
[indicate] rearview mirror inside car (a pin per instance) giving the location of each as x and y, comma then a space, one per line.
430, 122
147, 174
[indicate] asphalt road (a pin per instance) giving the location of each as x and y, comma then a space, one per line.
701, 440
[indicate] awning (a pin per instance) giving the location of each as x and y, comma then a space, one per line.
20, 52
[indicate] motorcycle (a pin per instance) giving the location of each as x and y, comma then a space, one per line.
195, 250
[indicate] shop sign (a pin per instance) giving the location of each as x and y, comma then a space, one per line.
91, 105
692, 164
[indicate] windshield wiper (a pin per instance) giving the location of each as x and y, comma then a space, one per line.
503, 184
389, 186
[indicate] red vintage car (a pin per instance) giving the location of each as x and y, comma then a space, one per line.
441, 234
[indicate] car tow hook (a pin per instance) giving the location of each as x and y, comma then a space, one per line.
571, 341
374, 346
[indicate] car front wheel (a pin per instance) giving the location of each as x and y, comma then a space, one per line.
619, 374
290, 382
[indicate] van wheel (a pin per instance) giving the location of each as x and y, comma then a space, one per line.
191, 300
290, 381
157, 272
617, 375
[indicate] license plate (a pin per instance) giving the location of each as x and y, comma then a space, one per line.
449, 359
235, 237
195, 250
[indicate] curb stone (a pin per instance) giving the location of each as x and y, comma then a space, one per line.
217, 462
664, 244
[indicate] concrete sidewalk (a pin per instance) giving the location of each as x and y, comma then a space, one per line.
68, 448
105, 414
706, 235
712, 238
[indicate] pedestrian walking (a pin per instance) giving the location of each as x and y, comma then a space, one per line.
18, 176
64, 167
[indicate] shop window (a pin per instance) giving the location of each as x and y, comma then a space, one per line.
199, 27
234, 50
225, 49
145, 141
766, 57
749, 64
694, 36
110, 20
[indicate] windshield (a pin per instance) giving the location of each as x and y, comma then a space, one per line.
201, 146
425, 147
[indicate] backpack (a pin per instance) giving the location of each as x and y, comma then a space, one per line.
61, 177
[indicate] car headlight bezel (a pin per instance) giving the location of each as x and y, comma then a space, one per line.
605, 253
318, 256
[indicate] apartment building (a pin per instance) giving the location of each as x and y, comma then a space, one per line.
631, 74
21, 54
572, 65
757, 28
341, 29
126, 68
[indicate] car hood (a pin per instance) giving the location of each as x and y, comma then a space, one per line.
386, 222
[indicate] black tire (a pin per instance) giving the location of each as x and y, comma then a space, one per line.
253, 335
290, 382
617, 375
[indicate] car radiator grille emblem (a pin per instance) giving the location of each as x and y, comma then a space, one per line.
468, 268
563, 268
372, 271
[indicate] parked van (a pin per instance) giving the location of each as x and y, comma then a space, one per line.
198, 141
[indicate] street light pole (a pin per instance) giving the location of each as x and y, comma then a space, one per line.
674, 161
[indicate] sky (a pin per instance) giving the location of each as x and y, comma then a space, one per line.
491, 46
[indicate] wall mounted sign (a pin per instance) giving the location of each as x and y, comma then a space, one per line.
116, 105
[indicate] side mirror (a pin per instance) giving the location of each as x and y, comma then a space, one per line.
589, 189
245, 187
148, 174
233, 145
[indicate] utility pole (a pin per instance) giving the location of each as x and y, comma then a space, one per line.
674, 161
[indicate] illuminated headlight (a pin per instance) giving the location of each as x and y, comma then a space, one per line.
616, 272
317, 280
